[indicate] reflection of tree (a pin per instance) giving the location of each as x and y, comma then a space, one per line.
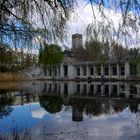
133, 105
52, 104
29, 97
100, 106
6, 99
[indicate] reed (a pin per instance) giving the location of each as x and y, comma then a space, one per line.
12, 77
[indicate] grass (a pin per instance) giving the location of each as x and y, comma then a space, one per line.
10, 85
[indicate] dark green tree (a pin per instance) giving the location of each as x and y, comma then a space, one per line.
118, 53
50, 56
6, 57
97, 51
52, 104
28, 61
135, 60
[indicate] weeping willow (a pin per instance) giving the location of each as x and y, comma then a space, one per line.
128, 12
23, 20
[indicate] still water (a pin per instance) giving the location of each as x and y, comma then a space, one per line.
71, 111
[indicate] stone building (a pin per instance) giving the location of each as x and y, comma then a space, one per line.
73, 69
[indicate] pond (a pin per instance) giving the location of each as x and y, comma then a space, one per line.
50, 110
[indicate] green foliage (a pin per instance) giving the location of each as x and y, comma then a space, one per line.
135, 55
135, 59
119, 53
6, 54
50, 55
27, 62
97, 51
94, 50
6, 58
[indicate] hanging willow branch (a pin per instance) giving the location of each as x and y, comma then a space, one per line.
128, 25
33, 17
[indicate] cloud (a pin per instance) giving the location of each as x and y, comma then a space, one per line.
83, 16
38, 113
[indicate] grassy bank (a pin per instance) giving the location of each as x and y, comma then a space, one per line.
4, 77
10, 85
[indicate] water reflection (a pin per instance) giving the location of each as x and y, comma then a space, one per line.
108, 89
97, 107
51, 104
73, 110
6, 100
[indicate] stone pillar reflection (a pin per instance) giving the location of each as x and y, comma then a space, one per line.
81, 71
110, 89
102, 70
102, 89
95, 89
87, 71
95, 73
127, 90
110, 71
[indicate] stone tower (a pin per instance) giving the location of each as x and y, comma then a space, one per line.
77, 41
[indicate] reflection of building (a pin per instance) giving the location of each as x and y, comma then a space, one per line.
71, 68
77, 115
109, 89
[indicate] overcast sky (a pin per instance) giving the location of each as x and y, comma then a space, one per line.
83, 16
79, 21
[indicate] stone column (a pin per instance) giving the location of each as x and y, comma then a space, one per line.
61, 71
58, 71
81, 71
127, 69
118, 71
95, 74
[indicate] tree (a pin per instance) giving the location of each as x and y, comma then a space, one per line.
118, 53
6, 57
28, 61
97, 51
103, 27
94, 50
50, 55
135, 60
6, 54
